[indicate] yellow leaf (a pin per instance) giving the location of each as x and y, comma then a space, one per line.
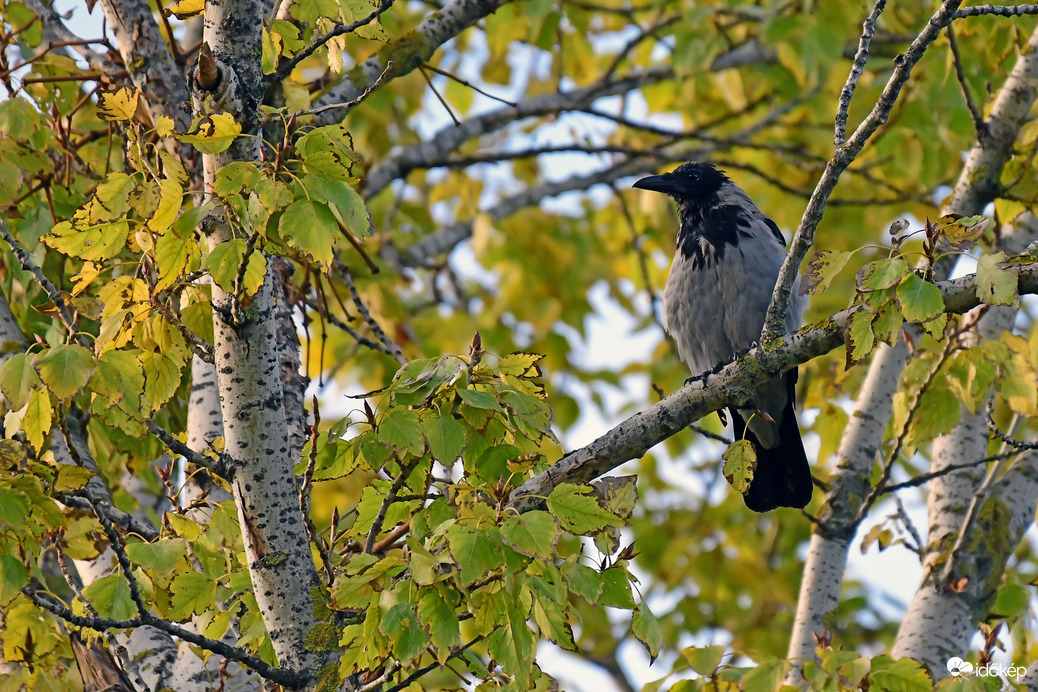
213, 133
117, 105
170, 197
187, 8
164, 126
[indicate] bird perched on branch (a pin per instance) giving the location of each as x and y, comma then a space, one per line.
725, 268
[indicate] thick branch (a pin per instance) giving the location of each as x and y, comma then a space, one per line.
453, 136
148, 59
635, 436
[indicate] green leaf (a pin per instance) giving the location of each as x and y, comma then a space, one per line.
1010, 601
577, 511
191, 593
920, 300
882, 274
344, 200
71, 478
311, 228
13, 576
995, 285
17, 378
226, 258
441, 620
512, 643
475, 551
110, 596
162, 555
583, 581
14, 507
616, 591
765, 677
479, 399
858, 337
646, 629
902, 675
65, 369
400, 624
704, 659
887, 323
740, 461
234, 176
446, 437
401, 431
534, 534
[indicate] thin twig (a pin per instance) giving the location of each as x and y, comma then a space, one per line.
868, 30
425, 669
348, 105
997, 432
948, 571
357, 336
392, 348
304, 495
218, 467
643, 261
925, 478
239, 278
975, 115
803, 239
282, 676
470, 85
439, 97
286, 69
37, 273
895, 452
116, 543
389, 499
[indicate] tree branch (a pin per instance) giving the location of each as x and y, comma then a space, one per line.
409, 51
633, 437
282, 676
146, 56
448, 139
340, 29
178, 448
868, 30
996, 10
774, 323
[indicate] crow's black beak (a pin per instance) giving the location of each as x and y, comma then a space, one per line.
659, 183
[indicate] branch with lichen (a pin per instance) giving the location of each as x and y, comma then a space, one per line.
635, 436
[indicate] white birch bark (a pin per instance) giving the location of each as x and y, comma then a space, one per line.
249, 376
830, 542
941, 620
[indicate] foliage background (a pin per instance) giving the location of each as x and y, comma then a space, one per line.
525, 231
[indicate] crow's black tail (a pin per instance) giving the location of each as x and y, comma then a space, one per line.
783, 475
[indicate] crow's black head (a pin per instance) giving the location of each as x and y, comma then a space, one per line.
688, 183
